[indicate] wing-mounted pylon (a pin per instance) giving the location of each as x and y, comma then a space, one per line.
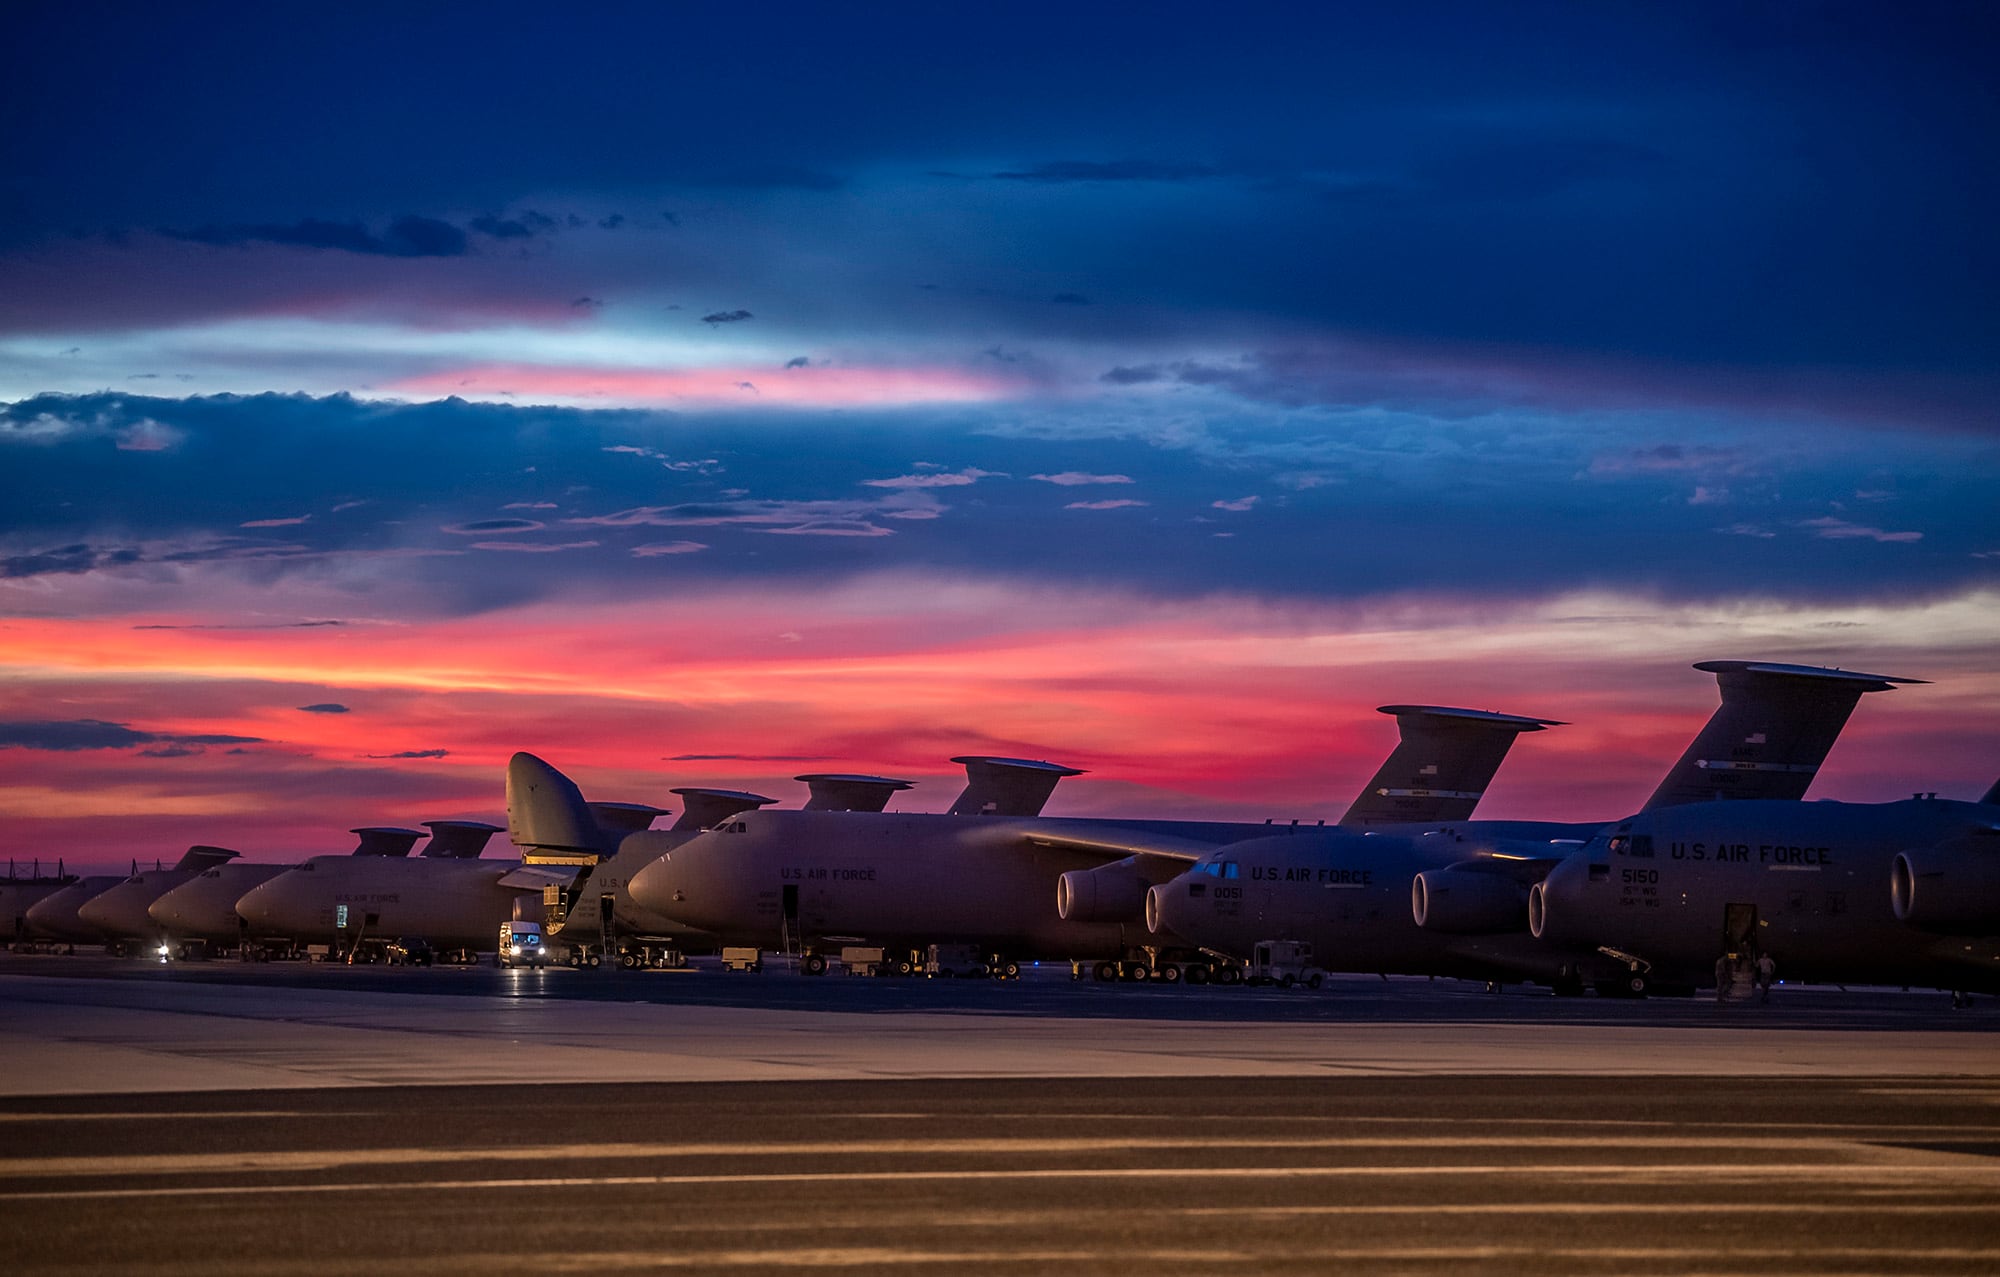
704, 808
1767, 739
1007, 786
458, 839
385, 840
1440, 767
199, 858
837, 792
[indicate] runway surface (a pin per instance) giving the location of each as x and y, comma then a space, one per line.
221, 1119
1722, 1172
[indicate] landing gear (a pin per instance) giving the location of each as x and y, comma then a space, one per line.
1106, 971
813, 964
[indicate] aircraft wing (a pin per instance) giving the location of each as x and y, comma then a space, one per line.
1114, 843
535, 877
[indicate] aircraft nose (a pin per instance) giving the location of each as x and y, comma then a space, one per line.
271, 906
655, 887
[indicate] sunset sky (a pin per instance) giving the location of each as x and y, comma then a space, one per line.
706, 395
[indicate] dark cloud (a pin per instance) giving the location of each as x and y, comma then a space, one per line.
726, 317
798, 361
523, 226
586, 303
173, 751
275, 625
415, 753
1136, 376
68, 559
486, 527
611, 222
328, 707
69, 735
1057, 171
406, 236
743, 758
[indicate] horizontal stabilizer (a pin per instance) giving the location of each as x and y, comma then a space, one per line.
702, 808
458, 839
1007, 786
1441, 766
385, 840
1767, 739
199, 858
831, 792
625, 818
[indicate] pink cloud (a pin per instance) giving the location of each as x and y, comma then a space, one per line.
819, 387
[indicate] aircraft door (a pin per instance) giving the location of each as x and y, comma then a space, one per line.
1739, 928
607, 907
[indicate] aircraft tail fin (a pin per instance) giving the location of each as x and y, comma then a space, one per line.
1440, 768
832, 792
458, 839
701, 808
199, 857
385, 840
1007, 786
1767, 739
1991, 798
546, 811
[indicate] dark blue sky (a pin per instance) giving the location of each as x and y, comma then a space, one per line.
1159, 387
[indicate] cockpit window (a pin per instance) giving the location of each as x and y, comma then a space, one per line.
1220, 869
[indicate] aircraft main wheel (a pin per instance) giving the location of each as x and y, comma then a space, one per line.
1228, 975
1170, 974
1636, 985
1106, 971
815, 964
625, 961
1197, 974
1012, 971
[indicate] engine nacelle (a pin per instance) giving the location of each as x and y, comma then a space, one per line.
1952, 888
1466, 902
1109, 893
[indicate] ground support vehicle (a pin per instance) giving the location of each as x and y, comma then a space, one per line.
1284, 963
742, 958
410, 951
521, 945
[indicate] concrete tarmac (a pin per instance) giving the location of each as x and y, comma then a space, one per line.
217, 1119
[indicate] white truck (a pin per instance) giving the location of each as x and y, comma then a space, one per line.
521, 945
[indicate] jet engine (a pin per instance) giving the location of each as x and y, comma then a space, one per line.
1953, 888
1559, 906
1467, 902
1109, 893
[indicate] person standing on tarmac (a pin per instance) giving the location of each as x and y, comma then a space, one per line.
1767, 968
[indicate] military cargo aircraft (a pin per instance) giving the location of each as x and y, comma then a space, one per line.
21, 892
597, 917
810, 881
119, 913
1877, 893
53, 917
449, 895
202, 912
1456, 900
